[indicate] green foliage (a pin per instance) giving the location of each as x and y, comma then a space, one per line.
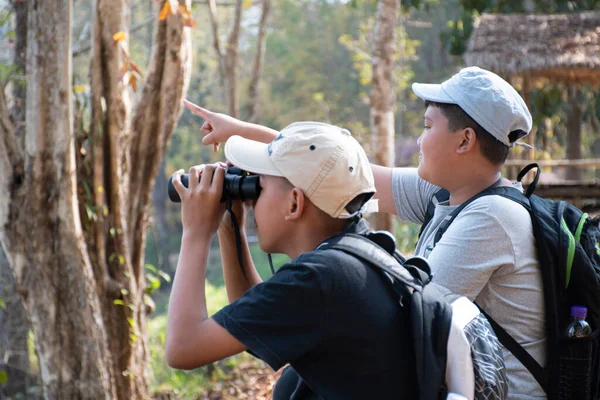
186, 384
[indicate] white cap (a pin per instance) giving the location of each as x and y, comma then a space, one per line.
324, 161
491, 101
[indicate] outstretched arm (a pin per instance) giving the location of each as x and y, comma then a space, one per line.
217, 127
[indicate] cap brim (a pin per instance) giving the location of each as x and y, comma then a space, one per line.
250, 156
432, 92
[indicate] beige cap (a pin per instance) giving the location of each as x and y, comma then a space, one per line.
322, 160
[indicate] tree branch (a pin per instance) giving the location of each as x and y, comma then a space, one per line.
257, 66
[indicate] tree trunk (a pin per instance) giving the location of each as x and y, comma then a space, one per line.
257, 66
230, 62
81, 274
39, 220
14, 326
573, 132
382, 93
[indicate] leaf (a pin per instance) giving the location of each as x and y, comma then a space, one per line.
186, 16
135, 68
119, 302
247, 4
131, 322
124, 292
165, 276
3, 377
79, 88
2, 304
119, 37
165, 11
151, 267
133, 82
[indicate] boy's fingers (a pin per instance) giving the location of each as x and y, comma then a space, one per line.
206, 128
195, 172
216, 147
208, 173
199, 111
179, 188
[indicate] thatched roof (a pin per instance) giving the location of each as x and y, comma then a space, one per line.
562, 47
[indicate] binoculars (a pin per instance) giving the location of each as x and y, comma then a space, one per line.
238, 185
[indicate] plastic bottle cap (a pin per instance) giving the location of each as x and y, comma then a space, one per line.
578, 311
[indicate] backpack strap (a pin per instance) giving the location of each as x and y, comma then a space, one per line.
541, 376
439, 197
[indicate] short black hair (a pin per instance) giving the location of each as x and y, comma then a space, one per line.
492, 149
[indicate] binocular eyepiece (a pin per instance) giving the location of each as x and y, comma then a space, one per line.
238, 185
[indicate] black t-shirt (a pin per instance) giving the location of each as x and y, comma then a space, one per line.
336, 321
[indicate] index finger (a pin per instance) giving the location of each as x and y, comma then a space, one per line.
199, 111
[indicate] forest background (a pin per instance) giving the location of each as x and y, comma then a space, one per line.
316, 63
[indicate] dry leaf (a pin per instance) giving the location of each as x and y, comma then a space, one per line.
119, 37
189, 22
135, 68
133, 82
165, 11
186, 16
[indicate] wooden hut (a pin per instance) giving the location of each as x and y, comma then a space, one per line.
562, 48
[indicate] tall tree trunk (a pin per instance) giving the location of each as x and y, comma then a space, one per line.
228, 61
39, 220
214, 23
231, 56
81, 277
257, 65
573, 132
382, 93
14, 326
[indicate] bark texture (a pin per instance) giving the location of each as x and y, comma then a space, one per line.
14, 325
74, 204
382, 93
40, 228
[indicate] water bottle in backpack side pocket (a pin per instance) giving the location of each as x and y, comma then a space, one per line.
578, 327
576, 357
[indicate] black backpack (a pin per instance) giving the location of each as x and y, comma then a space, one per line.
567, 243
437, 317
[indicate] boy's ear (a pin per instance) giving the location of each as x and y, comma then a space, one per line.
467, 142
296, 204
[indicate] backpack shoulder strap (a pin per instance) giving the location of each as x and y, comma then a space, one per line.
439, 197
541, 376
371, 253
